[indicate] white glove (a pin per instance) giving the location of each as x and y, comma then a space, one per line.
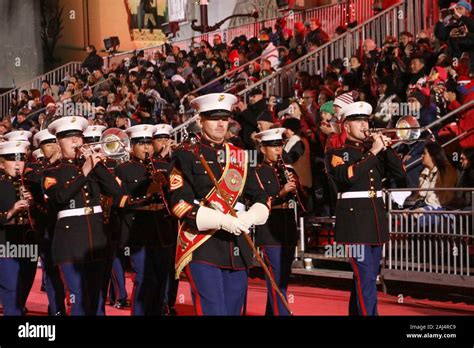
256, 215
210, 219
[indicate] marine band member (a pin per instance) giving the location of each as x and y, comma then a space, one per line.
356, 171
211, 249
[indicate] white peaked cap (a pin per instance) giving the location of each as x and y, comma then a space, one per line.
41, 136
163, 129
357, 109
18, 136
14, 147
68, 123
221, 103
141, 131
273, 134
38, 154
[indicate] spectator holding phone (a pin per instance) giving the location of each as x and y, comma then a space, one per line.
456, 27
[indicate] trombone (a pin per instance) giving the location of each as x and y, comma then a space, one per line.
114, 144
407, 130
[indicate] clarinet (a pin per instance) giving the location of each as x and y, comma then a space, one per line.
156, 178
22, 191
299, 191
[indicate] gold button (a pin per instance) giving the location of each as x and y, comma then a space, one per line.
67, 182
67, 227
86, 194
73, 177
371, 187
352, 209
371, 171
371, 179
88, 201
135, 180
85, 187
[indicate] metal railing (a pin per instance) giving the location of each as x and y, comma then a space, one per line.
430, 246
442, 120
74, 96
389, 22
280, 82
331, 16
54, 77
181, 132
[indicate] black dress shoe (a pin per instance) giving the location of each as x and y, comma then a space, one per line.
122, 304
172, 312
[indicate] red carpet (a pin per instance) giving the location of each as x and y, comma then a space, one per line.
304, 300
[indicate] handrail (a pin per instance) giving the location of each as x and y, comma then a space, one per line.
445, 117
346, 36
450, 141
418, 189
201, 37
56, 74
302, 59
39, 111
229, 73
183, 125
42, 75
442, 119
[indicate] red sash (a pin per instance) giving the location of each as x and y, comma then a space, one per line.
231, 184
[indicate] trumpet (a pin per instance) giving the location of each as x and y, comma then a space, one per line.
407, 130
114, 144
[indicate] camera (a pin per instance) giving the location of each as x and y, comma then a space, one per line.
445, 12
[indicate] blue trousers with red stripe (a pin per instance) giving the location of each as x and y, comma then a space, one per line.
117, 281
279, 260
363, 300
16, 278
151, 267
9, 287
217, 291
53, 284
85, 283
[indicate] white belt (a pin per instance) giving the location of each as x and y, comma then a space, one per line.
80, 211
238, 206
360, 194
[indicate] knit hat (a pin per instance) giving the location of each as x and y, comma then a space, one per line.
465, 4
344, 100
328, 107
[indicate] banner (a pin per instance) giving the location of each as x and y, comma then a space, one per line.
177, 10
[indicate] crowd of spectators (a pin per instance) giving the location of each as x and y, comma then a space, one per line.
425, 75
